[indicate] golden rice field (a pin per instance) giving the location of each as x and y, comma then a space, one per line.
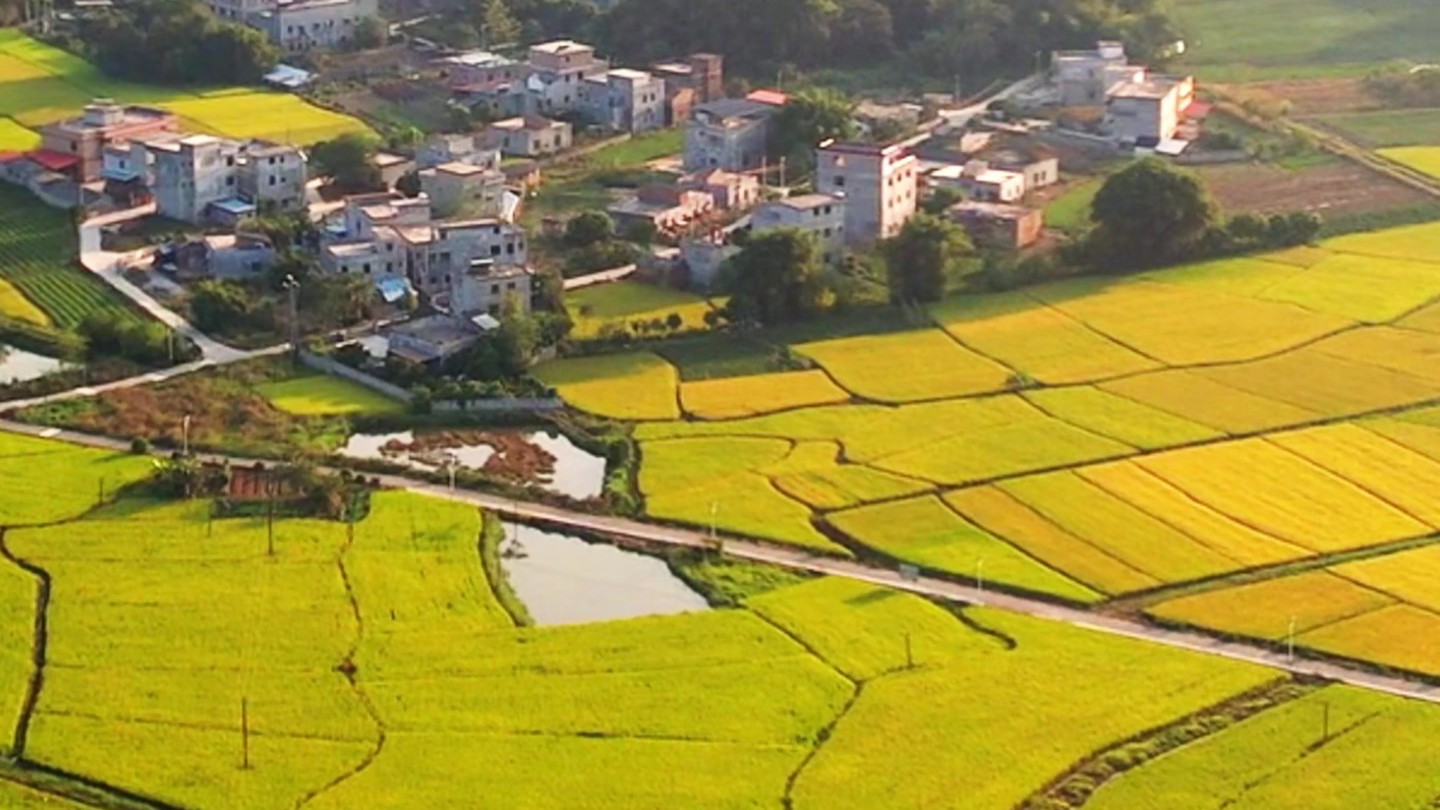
1420, 158
623, 303
41, 84
737, 397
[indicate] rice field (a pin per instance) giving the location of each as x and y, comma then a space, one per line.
1424, 159
324, 395
624, 303
37, 260
42, 482
906, 366
41, 84
634, 386
756, 394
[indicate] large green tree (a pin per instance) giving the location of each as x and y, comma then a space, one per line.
924, 259
1149, 214
777, 277
348, 162
175, 42
812, 115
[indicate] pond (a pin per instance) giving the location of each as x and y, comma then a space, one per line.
565, 580
18, 365
550, 460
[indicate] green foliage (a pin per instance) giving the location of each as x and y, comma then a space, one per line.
145, 342
777, 277
347, 161
175, 42
726, 581
925, 258
225, 306
588, 228
370, 32
812, 115
1149, 214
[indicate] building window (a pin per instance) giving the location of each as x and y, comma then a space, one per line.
494, 289
494, 250
839, 181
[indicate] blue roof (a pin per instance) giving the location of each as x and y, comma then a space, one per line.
119, 175
234, 205
393, 288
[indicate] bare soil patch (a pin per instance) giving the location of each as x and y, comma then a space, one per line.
1311, 96
1330, 190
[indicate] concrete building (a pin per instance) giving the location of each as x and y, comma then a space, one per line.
699, 79
487, 286
528, 136
1084, 77
1148, 111
191, 173
272, 174
464, 148
296, 26
392, 167
998, 225
878, 183
731, 191
978, 181
623, 100
703, 259
475, 71
670, 208
820, 214
199, 178
432, 338
729, 134
229, 256
556, 71
1039, 165
103, 122
454, 188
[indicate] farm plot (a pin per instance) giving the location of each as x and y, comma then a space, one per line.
37, 248
1197, 398
637, 385
1037, 340
19, 590
15, 305
1265, 609
1413, 242
620, 304
1399, 636
1388, 128
43, 481
906, 366
1333, 190
265, 116
813, 475
1065, 693
1360, 288
1420, 158
926, 532
323, 395
15, 138
737, 397
1282, 759
1118, 418
1315, 381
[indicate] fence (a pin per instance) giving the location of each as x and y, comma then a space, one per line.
602, 277
501, 405
328, 366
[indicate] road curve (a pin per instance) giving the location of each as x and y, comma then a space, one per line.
798, 559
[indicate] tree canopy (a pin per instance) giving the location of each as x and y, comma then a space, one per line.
812, 115
348, 162
924, 258
1149, 214
777, 277
175, 42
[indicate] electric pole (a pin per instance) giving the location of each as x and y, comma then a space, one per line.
292, 288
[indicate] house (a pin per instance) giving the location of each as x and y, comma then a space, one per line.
229, 256
296, 26
898, 118
697, 80
388, 235
456, 187
103, 122
1085, 76
392, 167
704, 258
430, 339
978, 181
1150, 110
729, 134
528, 136
486, 287
821, 214
998, 225
466, 148
521, 174
475, 71
877, 182
670, 208
731, 191
199, 177
556, 71
623, 100
1039, 165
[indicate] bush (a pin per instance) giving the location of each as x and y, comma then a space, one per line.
140, 446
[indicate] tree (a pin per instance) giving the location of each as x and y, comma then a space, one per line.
349, 163
496, 24
224, 306
777, 277
517, 338
588, 228
940, 200
409, 183
924, 258
175, 42
1149, 214
812, 115
370, 32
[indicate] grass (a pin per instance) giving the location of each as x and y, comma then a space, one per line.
926, 532
15, 305
1282, 759
1389, 128
710, 357
44, 481
323, 395
1420, 158
637, 385
639, 149
756, 394
40, 84
1071, 210
37, 254
621, 303
906, 366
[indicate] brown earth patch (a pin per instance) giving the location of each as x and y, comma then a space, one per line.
1334, 189
514, 457
1310, 96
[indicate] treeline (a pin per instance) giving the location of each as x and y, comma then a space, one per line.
176, 42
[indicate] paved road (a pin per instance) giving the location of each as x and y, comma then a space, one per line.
110, 266
794, 558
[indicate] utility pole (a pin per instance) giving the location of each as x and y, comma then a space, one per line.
1326, 735
980, 574
270, 519
185, 436
292, 287
909, 653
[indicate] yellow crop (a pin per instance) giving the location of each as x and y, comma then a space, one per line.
734, 397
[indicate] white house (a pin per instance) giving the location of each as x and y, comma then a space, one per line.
529, 136
556, 71
196, 177
820, 214
301, 25
878, 183
624, 100
730, 134
978, 181
1148, 110
461, 187
1085, 76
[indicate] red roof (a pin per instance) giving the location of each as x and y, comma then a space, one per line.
1199, 109
52, 160
774, 98
7, 157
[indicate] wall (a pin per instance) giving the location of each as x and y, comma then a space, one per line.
328, 366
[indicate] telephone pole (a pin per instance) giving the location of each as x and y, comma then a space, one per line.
292, 288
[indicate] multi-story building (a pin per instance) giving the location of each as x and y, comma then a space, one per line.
196, 178
1148, 111
454, 188
487, 286
1084, 77
556, 71
624, 100
462, 148
103, 123
192, 173
878, 182
820, 214
528, 136
703, 73
387, 234
296, 26
272, 174
730, 134
977, 180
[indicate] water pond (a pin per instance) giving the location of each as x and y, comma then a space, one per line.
550, 460
18, 365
